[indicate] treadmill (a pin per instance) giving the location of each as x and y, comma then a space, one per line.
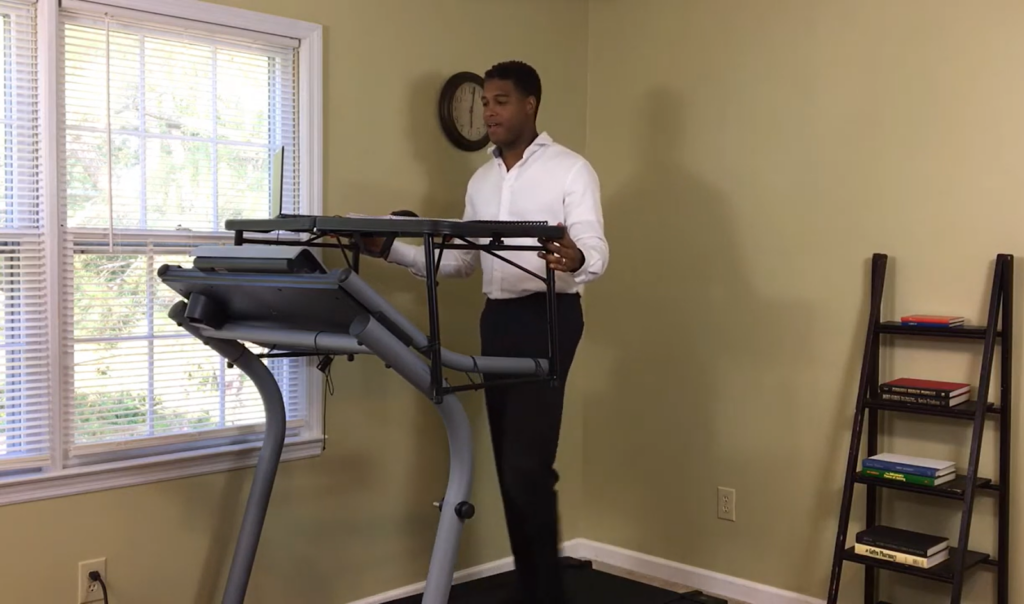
275, 293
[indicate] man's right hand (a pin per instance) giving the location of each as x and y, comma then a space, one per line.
370, 244
374, 245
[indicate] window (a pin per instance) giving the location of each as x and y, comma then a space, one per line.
25, 387
165, 118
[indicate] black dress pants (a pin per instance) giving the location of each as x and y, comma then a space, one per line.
525, 420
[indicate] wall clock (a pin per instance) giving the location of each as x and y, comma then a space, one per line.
461, 111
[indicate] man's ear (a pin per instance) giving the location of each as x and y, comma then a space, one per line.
531, 105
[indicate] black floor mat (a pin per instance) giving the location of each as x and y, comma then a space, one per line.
584, 585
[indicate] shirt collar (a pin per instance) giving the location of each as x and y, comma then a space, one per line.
543, 139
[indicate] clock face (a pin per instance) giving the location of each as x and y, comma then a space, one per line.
461, 111
468, 111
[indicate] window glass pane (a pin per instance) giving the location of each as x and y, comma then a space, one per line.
25, 360
136, 373
24, 357
193, 123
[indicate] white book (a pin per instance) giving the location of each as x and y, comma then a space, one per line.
900, 557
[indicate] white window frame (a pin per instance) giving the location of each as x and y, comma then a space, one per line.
58, 481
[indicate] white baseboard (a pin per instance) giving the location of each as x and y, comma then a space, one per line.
659, 568
705, 580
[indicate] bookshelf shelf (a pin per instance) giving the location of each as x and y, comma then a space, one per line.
965, 410
996, 332
967, 332
944, 572
954, 489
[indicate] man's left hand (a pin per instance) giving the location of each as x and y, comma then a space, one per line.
562, 254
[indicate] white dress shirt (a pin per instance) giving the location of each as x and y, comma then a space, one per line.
550, 183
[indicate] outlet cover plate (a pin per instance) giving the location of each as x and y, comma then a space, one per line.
87, 590
727, 504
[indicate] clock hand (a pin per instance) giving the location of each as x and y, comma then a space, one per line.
472, 109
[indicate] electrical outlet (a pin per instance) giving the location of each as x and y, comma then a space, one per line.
88, 590
727, 504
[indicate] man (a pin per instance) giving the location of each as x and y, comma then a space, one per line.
527, 177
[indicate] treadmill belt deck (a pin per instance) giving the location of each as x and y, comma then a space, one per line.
584, 585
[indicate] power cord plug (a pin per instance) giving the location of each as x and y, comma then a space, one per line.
94, 576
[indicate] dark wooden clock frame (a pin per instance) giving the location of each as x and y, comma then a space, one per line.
447, 119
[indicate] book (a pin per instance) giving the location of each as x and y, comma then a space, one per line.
907, 464
901, 558
926, 387
932, 320
925, 481
902, 541
934, 325
934, 401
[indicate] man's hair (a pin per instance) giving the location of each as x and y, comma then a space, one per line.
522, 76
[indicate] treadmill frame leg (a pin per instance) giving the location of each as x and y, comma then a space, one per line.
449, 529
455, 508
269, 459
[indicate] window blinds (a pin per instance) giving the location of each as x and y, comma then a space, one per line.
192, 125
166, 133
25, 379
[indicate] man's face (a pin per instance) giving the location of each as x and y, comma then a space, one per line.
507, 113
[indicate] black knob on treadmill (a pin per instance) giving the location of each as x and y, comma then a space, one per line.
465, 510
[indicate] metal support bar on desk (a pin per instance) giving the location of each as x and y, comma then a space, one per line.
553, 366
436, 374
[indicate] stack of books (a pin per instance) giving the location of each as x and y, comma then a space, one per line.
933, 320
933, 393
911, 470
901, 546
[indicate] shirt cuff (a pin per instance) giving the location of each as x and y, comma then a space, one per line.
403, 254
583, 274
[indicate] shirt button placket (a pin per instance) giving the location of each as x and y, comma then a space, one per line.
506, 199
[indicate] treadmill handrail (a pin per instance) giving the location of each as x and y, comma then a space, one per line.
289, 340
375, 303
303, 340
274, 333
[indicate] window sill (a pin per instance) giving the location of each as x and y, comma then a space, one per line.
82, 480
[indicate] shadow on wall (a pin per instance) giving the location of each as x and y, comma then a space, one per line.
695, 387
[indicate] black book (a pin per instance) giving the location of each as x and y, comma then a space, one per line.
903, 541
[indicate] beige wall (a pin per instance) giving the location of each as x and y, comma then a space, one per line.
753, 156
358, 520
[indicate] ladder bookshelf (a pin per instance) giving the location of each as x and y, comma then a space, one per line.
968, 485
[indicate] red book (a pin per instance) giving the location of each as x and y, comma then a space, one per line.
923, 387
